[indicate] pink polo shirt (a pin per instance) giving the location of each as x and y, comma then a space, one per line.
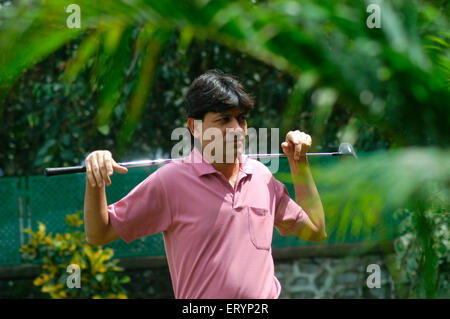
217, 239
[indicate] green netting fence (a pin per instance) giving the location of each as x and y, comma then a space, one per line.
27, 200
11, 215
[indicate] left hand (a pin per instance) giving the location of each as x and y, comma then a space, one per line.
297, 144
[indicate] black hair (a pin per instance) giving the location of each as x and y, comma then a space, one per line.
215, 91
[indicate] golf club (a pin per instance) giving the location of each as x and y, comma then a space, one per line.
345, 149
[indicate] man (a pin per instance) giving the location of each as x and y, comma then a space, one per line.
216, 215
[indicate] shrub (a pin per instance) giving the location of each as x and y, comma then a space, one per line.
422, 259
99, 273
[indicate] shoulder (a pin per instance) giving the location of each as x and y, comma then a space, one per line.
260, 170
263, 173
172, 172
258, 167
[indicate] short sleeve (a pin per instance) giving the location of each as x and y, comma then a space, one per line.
288, 214
143, 212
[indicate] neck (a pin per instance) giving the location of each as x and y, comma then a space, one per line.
228, 170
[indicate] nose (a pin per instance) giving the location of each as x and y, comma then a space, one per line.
234, 128
234, 123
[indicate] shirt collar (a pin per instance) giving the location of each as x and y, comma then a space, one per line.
202, 167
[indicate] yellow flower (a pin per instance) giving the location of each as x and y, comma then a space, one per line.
51, 288
41, 232
102, 269
42, 279
48, 241
74, 220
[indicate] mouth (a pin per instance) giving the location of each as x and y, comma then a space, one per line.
235, 143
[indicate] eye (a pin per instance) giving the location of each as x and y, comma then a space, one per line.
242, 118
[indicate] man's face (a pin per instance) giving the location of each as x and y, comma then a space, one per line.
232, 125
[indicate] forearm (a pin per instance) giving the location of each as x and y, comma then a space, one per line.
306, 193
96, 220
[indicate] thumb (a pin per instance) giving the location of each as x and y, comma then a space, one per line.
119, 169
285, 147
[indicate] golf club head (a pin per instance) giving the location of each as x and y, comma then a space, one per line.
347, 149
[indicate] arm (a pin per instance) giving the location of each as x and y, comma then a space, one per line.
98, 228
306, 194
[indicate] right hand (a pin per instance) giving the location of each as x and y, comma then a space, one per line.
100, 166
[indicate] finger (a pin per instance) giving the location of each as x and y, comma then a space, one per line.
109, 164
298, 151
305, 140
96, 171
109, 167
119, 169
108, 181
290, 146
291, 137
309, 139
295, 143
89, 175
286, 148
305, 143
298, 137
102, 168
303, 137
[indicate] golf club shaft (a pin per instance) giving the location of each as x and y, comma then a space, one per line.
145, 163
284, 155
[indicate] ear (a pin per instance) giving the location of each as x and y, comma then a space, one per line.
195, 129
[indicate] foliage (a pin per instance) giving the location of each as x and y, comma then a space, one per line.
356, 198
409, 264
64, 131
339, 80
313, 65
379, 75
100, 275
400, 195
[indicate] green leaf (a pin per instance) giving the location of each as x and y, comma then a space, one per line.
104, 129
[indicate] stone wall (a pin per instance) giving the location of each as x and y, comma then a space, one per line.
324, 277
